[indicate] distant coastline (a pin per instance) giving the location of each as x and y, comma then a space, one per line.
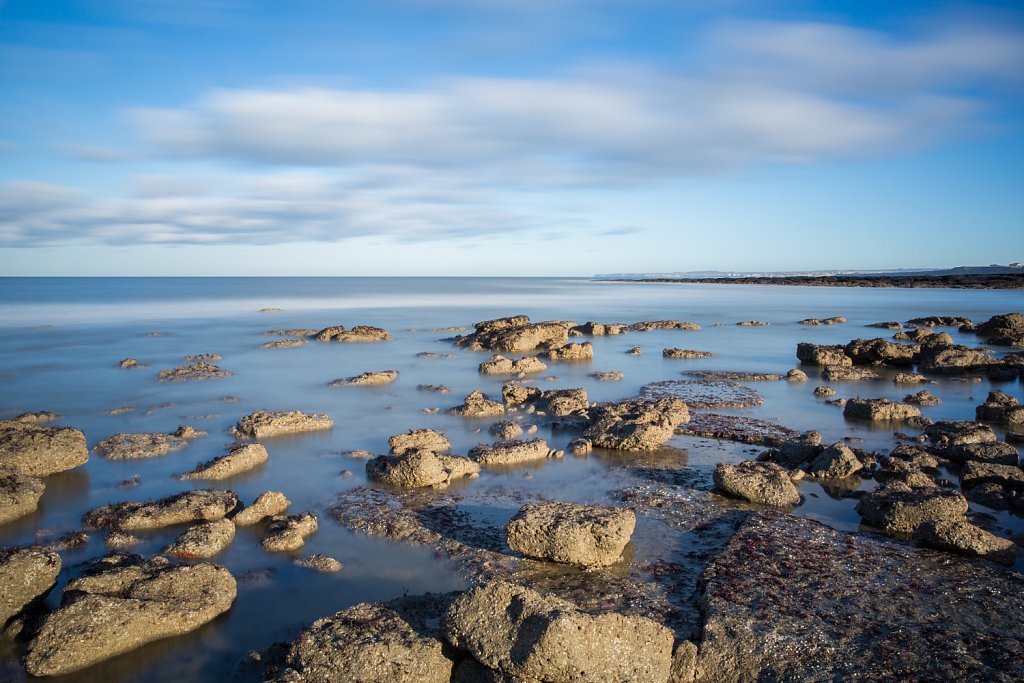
994, 281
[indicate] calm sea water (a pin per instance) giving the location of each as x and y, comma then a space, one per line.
61, 339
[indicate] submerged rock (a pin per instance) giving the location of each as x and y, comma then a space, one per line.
26, 574
513, 334
960, 536
500, 365
753, 323
844, 373
478, 405
425, 439
608, 376
125, 608
19, 495
521, 633
703, 393
138, 446
732, 376
267, 504
583, 535
283, 344
196, 371
685, 353
129, 364
373, 378
320, 563
202, 505
835, 320
824, 392
418, 468
359, 333
203, 540
40, 451
899, 509
240, 459
636, 424
264, 423
649, 325
285, 534
879, 409
764, 483
511, 452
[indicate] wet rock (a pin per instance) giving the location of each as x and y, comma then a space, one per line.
194, 372
918, 334
994, 452
267, 504
366, 643
418, 468
909, 378
684, 660
894, 469
201, 505
798, 451
283, 344
104, 618
118, 540
704, 393
899, 509
584, 351
1001, 408
764, 483
879, 409
634, 351
945, 433
511, 452
685, 353
39, 451
583, 535
505, 430
26, 574
960, 536
138, 446
842, 373
367, 379
888, 325
609, 376
816, 354
792, 600
835, 320
520, 632
580, 446
500, 365
1007, 476
636, 424
262, 423
19, 495
730, 376
753, 323
835, 462
922, 398
240, 459
823, 392
879, 352
359, 333
563, 402
1004, 330
188, 432
419, 439
320, 563
478, 405
649, 325
203, 540
433, 388
515, 393
435, 356
285, 534
512, 334
796, 375
129, 363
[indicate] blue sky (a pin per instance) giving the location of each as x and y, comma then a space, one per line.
507, 137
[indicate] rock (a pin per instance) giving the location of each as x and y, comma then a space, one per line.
835, 320
815, 354
267, 504
649, 325
889, 325
359, 333
419, 439
26, 574
842, 373
19, 496
513, 334
835, 462
610, 376
895, 469
916, 335
240, 459
583, 535
636, 424
823, 392
1005, 330
202, 505
203, 356
285, 534
994, 452
598, 329
899, 509
685, 353
909, 378
792, 600
419, 468
188, 433
129, 363
39, 451
796, 375
960, 536
563, 402
989, 495
119, 616
511, 452
321, 563
584, 351
684, 659
764, 483
138, 446
953, 359
580, 446
367, 643
634, 351
195, 372
798, 451
731, 376
940, 321
367, 379
500, 365
879, 352
1007, 476
203, 540
1001, 408
505, 430
294, 332
945, 433
118, 540
478, 405
433, 388
516, 393
262, 423
522, 633
283, 344
922, 398
753, 323
877, 409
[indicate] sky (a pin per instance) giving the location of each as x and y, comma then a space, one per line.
508, 137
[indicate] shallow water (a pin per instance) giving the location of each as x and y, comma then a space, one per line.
61, 339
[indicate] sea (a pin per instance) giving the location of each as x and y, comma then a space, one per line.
61, 340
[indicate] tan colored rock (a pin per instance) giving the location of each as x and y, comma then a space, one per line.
367, 379
188, 432
684, 659
267, 504
960, 536
25, 575
685, 353
419, 439
513, 334
194, 372
478, 405
879, 409
516, 394
19, 495
815, 354
1009, 476
129, 363
636, 424
500, 365
359, 333
583, 535
1001, 408
835, 320
320, 563
289, 533
846, 373
511, 452
139, 446
922, 398
608, 376
584, 351
159, 603
824, 392
240, 459
283, 344
118, 540
203, 540
506, 430
649, 325
764, 483
262, 423
39, 451
202, 505
580, 446
796, 375
418, 468
520, 632
909, 378
563, 402
835, 462
899, 509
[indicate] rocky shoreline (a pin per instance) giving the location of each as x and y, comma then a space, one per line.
1004, 281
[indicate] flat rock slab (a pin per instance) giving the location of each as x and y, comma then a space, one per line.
263, 423
38, 451
367, 379
139, 446
359, 333
792, 599
19, 494
737, 428
203, 540
734, 376
704, 393
239, 460
190, 506
583, 535
25, 574
511, 452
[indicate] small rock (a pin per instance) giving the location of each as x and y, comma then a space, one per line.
570, 352
685, 353
583, 535
285, 534
195, 372
203, 540
796, 375
511, 452
129, 363
188, 432
478, 405
240, 459
843, 373
764, 483
118, 540
823, 391
835, 320
1001, 408
367, 379
263, 423
433, 388
418, 468
752, 323
815, 354
359, 333
909, 378
500, 365
580, 446
922, 398
138, 446
267, 504
506, 430
320, 563
878, 409
1008, 476
835, 462
634, 351
609, 376
283, 344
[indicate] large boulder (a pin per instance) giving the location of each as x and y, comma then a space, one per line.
879, 352
25, 575
521, 633
124, 608
899, 509
513, 334
1001, 408
191, 506
816, 354
420, 467
240, 459
636, 424
263, 423
764, 483
1005, 330
19, 494
879, 409
584, 535
38, 451
835, 462
359, 333
960, 536
511, 452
